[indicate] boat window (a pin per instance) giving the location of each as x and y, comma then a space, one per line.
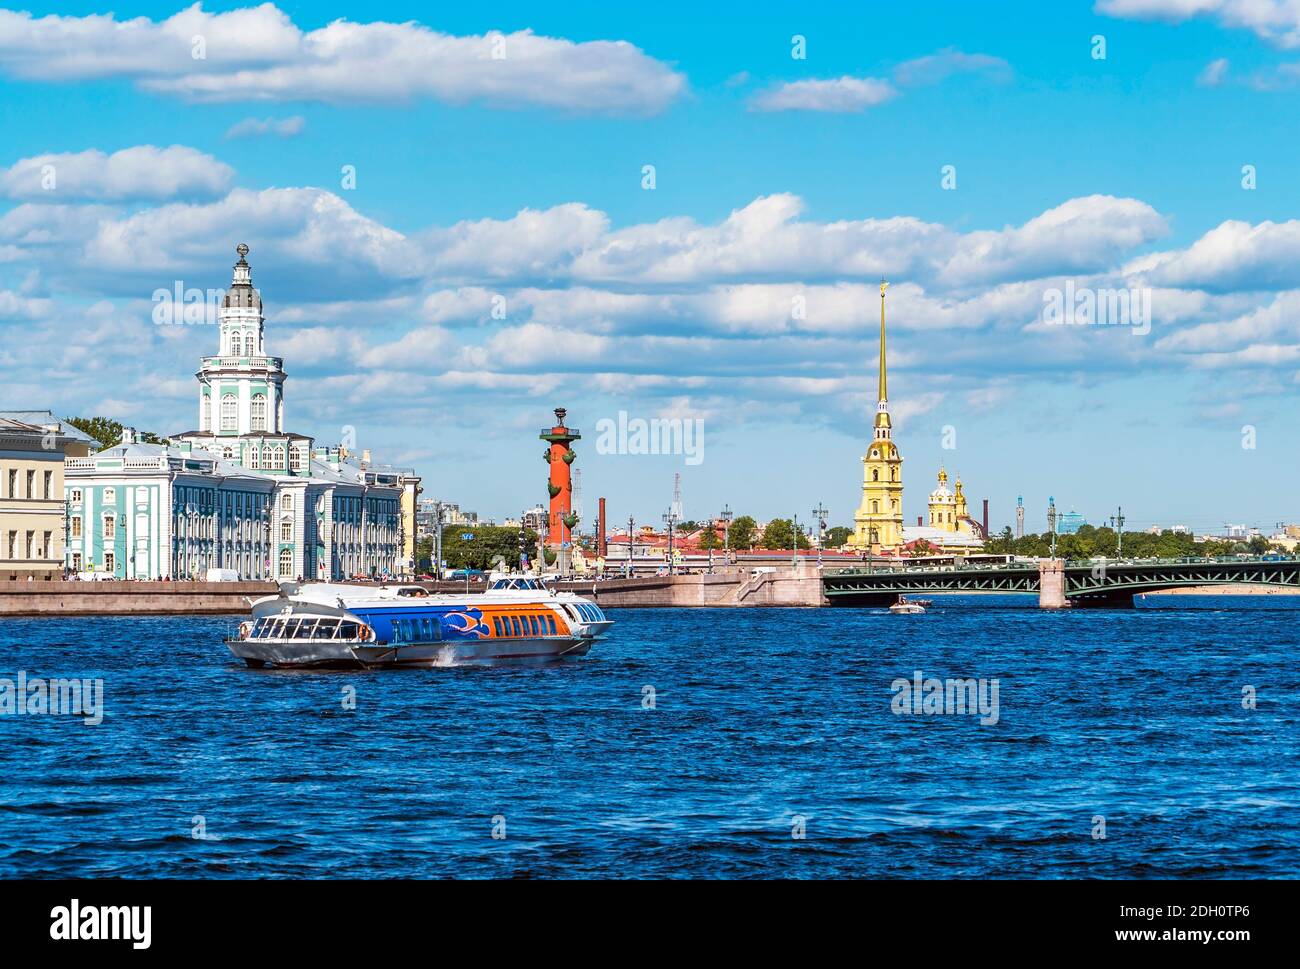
307, 630
496, 625
325, 628
348, 630
550, 624
290, 628
514, 625
536, 623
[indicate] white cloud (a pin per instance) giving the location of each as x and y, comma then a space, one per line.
1234, 255
141, 172
934, 68
1213, 74
289, 127
1277, 21
842, 95
259, 54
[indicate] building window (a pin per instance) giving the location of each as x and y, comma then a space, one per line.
110, 495
31, 484
295, 459
228, 452
49, 484
45, 545
250, 346
286, 530
254, 457
13, 545
229, 413
286, 562
110, 562
75, 526
76, 561
277, 460
110, 526
259, 412
286, 503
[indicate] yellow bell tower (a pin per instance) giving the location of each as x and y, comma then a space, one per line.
878, 522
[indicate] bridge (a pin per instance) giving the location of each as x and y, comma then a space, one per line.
1058, 583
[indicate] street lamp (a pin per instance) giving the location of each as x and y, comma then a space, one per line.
631, 545
726, 516
819, 514
671, 520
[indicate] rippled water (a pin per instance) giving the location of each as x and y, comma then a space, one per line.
760, 717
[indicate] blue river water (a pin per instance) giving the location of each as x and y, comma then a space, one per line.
691, 743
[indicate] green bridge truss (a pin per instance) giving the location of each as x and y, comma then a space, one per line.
1102, 583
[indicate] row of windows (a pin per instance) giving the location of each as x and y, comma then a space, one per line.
535, 625
46, 492
230, 412
38, 547
274, 627
247, 348
426, 630
587, 611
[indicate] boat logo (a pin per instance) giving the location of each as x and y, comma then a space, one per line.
468, 623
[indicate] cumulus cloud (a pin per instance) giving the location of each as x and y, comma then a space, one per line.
839, 95
844, 95
289, 127
140, 172
259, 54
1234, 255
1277, 21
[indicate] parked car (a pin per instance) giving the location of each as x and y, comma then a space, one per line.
467, 574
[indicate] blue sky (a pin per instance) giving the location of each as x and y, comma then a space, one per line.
775, 178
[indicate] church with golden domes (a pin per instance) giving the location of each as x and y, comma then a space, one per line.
878, 526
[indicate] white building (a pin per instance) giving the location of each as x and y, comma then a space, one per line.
240, 493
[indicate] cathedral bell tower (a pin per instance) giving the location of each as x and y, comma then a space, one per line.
878, 522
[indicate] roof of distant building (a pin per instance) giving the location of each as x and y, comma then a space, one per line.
45, 420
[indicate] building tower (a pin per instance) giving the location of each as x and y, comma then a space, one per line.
878, 522
241, 391
1020, 516
560, 519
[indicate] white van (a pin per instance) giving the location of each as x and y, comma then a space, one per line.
221, 575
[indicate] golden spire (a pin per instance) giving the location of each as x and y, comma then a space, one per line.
884, 394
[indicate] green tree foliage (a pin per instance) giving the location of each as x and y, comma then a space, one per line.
480, 551
779, 533
109, 432
837, 536
710, 538
744, 532
1092, 542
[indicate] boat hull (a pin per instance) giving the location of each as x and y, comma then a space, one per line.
336, 655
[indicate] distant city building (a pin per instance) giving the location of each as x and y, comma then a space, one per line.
33, 445
240, 493
1070, 522
1020, 516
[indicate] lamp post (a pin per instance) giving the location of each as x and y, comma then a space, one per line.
794, 555
631, 545
523, 539
726, 516
671, 520
819, 515
1119, 532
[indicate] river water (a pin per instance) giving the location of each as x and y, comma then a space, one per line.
690, 743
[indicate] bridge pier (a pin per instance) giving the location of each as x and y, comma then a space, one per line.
1051, 584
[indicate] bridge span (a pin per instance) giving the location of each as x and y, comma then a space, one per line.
1058, 583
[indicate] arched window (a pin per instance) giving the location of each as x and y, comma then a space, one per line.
278, 457
286, 503
875, 474
229, 413
259, 412
286, 562
875, 508
234, 344
228, 452
250, 345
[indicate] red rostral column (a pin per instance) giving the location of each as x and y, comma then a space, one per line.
561, 457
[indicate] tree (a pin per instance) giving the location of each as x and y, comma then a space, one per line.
487, 545
709, 537
109, 432
837, 536
922, 547
744, 532
779, 533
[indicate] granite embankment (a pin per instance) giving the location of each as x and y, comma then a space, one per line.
783, 587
